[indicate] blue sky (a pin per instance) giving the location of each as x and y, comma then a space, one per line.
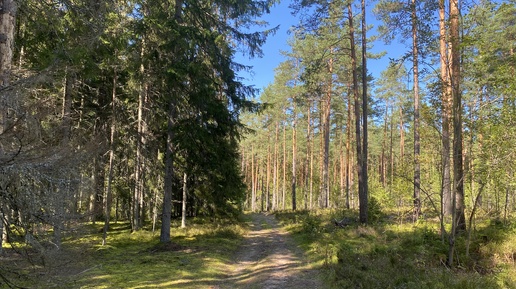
263, 68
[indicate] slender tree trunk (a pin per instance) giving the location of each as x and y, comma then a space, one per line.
458, 174
275, 173
98, 184
109, 196
3, 231
363, 192
446, 204
458, 217
253, 181
417, 167
391, 153
67, 106
169, 175
357, 105
325, 192
139, 161
507, 199
321, 197
310, 154
262, 196
402, 136
348, 151
284, 167
294, 149
268, 175
183, 208
342, 166
383, 162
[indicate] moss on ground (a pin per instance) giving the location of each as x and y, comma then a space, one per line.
197, 257
391, 254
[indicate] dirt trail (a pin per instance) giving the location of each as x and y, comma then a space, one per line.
269, 259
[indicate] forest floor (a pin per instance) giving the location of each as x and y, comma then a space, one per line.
254, 252
301, 249
268, 258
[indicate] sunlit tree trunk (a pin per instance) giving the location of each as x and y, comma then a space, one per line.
417, 166
458, 170
356, 100
383, 158
67, 105
275, 173
446, 204
310, 154
268, 175
321, 197
140, 159
284, 167
183, 207
458, 216
253, 181
348, 152
325, 192
363, 191
342, 165
391, 152
294, 152
402, 135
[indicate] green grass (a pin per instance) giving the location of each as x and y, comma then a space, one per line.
386, 254
198, 257
392, 255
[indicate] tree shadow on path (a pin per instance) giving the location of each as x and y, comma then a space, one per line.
268, 258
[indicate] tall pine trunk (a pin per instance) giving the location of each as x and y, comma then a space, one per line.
458, 167
294, 149
275, 172
446, 204
348, 152
253, 181
417, 166
458, 216
363, 192
284, 190
325, 192
358, 119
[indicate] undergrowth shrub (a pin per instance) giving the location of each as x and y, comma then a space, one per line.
374, 210
312, 225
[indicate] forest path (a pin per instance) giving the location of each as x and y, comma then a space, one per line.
268, 259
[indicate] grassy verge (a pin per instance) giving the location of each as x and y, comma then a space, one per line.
198, 257
388, 254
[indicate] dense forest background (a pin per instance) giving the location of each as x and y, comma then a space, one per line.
110, 108
134, 110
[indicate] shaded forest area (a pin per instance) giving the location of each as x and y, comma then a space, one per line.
132, 112
121, 111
